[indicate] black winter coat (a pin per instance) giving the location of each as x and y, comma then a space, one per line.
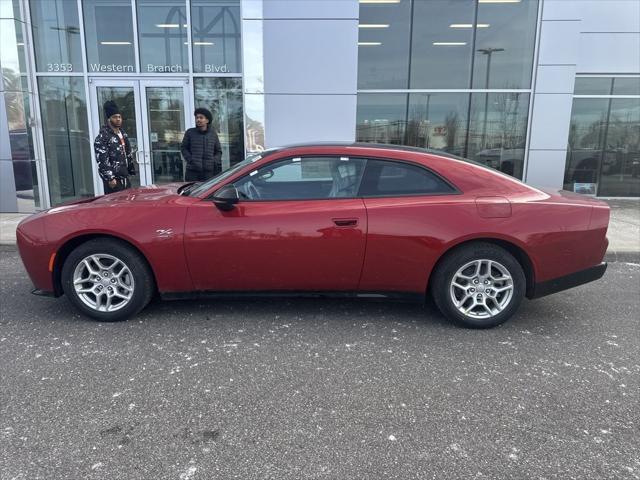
112, 161
202, 153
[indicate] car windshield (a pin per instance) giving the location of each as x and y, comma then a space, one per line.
199, 188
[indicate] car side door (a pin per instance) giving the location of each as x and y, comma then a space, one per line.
410, 210
298, 226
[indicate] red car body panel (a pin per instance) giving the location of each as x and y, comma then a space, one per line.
387, 244
288, 245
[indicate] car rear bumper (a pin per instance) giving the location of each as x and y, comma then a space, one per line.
543, 289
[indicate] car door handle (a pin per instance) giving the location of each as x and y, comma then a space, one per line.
345, 222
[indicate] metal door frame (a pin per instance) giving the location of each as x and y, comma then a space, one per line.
144, 159
139, 86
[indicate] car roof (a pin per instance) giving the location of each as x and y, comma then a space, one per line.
374, 146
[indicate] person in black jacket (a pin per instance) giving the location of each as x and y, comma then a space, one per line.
201, 149
113, 151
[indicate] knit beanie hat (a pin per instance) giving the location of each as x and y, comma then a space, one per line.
110, 109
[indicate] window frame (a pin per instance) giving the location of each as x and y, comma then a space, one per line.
291, 157
455, 189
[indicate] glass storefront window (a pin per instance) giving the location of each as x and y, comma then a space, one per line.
223, 97
498, 131
592, 86
626, 86
494, 133
504, 49
382, 118
108, 27
56, 35
383, 45
607, 86
66, 138
216, 36
442, 42
18, 167
162, 36
254, 121
603, 155
438, 121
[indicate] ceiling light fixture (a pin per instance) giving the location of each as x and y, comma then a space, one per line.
379, 1
498, 1
203, 43
468, 25
115, 43
449, 44
373, 25
167, 25
369, 44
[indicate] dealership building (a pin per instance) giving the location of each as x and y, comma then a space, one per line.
547, 91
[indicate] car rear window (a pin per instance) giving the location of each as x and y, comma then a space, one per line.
384, 178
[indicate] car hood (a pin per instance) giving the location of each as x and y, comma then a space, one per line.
151, 193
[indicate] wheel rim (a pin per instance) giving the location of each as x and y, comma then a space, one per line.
481, 289
103, 282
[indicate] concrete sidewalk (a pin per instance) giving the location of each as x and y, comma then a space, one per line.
624, 230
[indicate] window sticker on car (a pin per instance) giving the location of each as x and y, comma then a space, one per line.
344, 159
253, 173
297, 159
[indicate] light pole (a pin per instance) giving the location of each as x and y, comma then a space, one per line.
428, 121
488, 52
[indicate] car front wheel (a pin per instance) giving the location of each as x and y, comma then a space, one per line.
479, 285
107, 280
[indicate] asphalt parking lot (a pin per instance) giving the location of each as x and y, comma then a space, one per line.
327, 389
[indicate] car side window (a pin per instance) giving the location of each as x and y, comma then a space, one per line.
388, 178
303, 178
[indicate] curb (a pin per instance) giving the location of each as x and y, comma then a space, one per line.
627, 257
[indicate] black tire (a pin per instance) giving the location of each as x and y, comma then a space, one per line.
143, 281
446, 270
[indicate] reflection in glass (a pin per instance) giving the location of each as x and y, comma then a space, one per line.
216, 36
254, 119
498, 130
253, 58
18, 155
438, 121
165, 109
603, 155
223, 97
383, 45
504, 50
66, 138
56, 35
626, 86
125, 99
108, 28
442, 43
592, 86
607, 86
381, 118
162, 36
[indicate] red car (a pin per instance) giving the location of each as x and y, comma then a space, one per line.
345, 219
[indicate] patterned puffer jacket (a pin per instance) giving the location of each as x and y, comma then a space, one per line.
113, 162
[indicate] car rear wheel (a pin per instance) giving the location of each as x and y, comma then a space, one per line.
107, 280
479, 285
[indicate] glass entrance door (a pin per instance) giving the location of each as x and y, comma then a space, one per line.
164, 124
154, 118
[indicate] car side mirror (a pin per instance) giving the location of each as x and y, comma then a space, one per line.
226, 198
